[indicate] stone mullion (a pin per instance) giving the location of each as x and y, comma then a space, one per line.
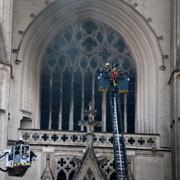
60, 104
82, 101
93, 90
125, 113
50, 102
71, 111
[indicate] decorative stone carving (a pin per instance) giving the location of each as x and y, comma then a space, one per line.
67, 166
89, 167
47, 174
90, 123
78, 139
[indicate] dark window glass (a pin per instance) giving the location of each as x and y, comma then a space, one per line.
71, 176
61, 175
113, 176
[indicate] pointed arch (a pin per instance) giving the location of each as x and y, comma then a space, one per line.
89, 168
61, 175
121, 17
71, 175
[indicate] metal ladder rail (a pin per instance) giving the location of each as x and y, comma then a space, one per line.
118, 143
122, 139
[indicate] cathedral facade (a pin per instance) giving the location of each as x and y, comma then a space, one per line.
50, 53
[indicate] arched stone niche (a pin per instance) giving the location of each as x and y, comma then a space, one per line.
119, 16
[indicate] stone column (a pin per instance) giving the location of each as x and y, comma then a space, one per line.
177, 121
4, 101
175, 84
6, 9
177, 125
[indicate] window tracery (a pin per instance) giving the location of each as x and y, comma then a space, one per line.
68, 78
66, 168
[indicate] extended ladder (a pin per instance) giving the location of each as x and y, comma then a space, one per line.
120, 156
112, 79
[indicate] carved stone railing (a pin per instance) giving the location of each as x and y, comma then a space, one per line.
71, 138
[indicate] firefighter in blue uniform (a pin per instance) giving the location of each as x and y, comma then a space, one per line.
112, 78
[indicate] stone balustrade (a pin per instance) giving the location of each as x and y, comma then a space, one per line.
71, 138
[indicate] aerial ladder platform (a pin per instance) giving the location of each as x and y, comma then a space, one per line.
113, 80
17, 160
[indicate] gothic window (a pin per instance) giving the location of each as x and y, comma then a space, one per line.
61, 175
71, 176
69, 76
